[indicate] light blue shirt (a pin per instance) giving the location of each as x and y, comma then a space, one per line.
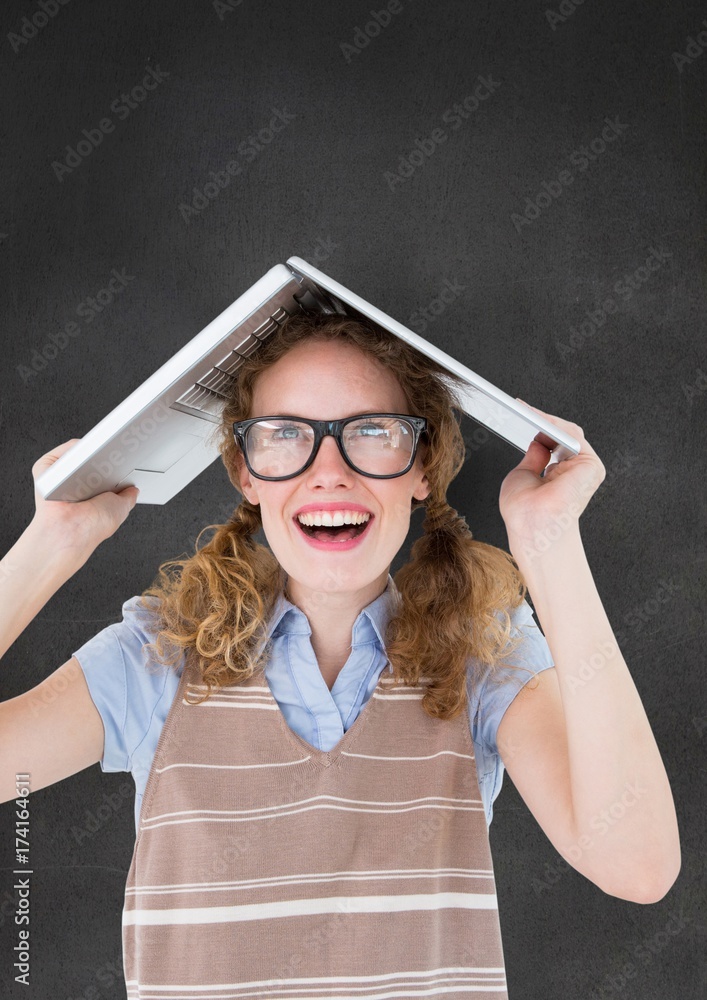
134, 701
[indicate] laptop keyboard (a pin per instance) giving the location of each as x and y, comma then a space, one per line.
206, 397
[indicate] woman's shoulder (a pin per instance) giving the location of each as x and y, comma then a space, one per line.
122, 644
141, 612
491, 689
127, 684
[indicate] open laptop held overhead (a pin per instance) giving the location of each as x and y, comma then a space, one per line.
162, 435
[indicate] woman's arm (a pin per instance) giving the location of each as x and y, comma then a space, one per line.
580, 747
586, 761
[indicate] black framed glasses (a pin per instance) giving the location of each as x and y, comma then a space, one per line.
379, 445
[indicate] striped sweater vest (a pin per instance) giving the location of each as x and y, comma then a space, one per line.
266, 868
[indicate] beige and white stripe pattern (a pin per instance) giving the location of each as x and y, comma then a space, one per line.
266, 868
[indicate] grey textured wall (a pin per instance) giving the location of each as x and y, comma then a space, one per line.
544, 229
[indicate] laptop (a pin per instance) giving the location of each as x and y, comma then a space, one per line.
164, 433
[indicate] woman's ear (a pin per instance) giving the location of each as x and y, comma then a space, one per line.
244, 478
424, 484
425, 494
422, 490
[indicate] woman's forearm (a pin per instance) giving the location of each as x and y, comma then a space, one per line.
616, 771
31, 573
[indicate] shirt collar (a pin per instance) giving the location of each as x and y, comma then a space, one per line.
370, 625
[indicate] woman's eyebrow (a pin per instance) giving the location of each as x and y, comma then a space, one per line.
302, 416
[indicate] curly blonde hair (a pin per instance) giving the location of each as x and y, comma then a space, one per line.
457, 592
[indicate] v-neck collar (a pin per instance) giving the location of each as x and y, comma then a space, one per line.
309, 707
370, 624
325, 758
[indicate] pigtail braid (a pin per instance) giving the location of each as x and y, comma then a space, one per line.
215, 609
447, 590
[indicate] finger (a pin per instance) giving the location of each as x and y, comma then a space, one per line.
558, 421
51, 456
529, 405
131, 493
65, 445
61, 448
535, 459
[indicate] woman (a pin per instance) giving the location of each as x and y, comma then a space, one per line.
319, 745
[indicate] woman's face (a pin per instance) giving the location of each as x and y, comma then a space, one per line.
330, 381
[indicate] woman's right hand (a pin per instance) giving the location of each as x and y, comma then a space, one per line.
79, 524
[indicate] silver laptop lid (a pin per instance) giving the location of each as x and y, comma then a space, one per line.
480, 399
163, 434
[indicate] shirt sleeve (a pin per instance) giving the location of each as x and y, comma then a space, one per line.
123, 690
493, 696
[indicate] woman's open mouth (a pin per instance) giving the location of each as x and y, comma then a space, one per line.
339, 537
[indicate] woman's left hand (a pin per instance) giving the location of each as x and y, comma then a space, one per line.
530, 502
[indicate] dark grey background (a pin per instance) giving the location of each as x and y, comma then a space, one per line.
636, 383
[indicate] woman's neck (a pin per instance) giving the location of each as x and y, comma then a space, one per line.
331, 617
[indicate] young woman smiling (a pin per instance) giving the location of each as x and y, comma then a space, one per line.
316, 747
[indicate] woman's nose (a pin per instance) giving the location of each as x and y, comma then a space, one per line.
329, 458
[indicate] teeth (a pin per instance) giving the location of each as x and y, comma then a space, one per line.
332, 518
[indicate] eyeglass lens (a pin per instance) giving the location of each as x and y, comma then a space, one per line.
377, 445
